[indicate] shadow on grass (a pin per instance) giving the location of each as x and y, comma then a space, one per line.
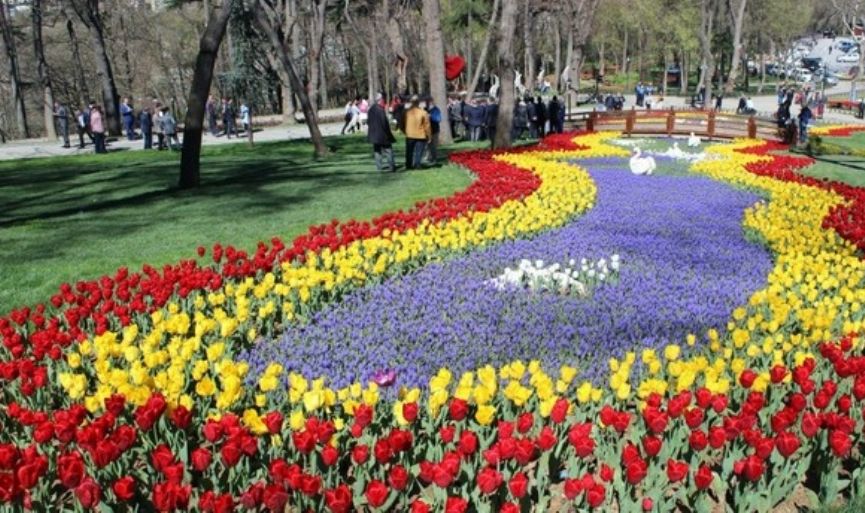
46, 189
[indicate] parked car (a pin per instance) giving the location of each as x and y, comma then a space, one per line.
827, 77
812, 63
850, 58
846, 45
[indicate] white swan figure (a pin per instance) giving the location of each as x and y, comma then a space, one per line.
494, 89
519, 88
675, 152
642, 165
693, 141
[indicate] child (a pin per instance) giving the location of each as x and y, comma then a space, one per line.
244, 117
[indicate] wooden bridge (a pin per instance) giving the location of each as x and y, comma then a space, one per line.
707, 124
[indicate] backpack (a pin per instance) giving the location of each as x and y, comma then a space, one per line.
435, 115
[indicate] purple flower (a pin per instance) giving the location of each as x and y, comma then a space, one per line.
686, 264
384, 378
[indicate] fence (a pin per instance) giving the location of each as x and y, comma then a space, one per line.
707, 124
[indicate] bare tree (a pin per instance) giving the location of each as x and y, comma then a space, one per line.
582, 14
78, 66
705, 35
317, 18
42, 68
89, 14
436, 58
14, 74
479, 67
271, 20
208, 48
736, 11
505, 46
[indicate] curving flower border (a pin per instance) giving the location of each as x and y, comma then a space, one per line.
744, 423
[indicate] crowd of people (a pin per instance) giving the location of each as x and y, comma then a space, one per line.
812, 105
419, 119
90, 123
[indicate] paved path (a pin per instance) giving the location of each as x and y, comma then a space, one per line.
32, 148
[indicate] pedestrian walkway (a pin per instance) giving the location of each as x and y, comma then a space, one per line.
34, 148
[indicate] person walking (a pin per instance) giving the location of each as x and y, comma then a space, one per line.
435, 119
157, 125
229, 117
418, 132
346, 116
97, 126
61, 114
245, 117
805, 116
128, 115
169, 126
210, 109
145, 122
81, 122
379, 135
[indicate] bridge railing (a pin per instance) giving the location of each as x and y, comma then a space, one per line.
705, 123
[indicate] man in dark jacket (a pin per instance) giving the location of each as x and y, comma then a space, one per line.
521, 120
491, 118
532, 114
475, 115
379, 134
145, 121
541, 117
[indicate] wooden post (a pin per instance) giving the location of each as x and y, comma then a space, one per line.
629, 121
752, 128
671, 121
711, 128
590, 122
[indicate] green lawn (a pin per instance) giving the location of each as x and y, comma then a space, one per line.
841, 159
69, 218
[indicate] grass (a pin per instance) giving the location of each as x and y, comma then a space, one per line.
70, 218
839, 159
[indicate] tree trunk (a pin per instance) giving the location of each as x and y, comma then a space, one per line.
479, 67
42, 70
762, 71
316, 43
581, 17
705, 34
737, 11
666, 75
88, 12
436, 59
557, 55
372, 64
208, 48
505, 45
282, 49
468, 43
528, 37
625, 52
14, 76
684, 73
80, 81
400, 63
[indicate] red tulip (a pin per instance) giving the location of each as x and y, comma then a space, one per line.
676, 470
339, 500
376, 493
703, 477
88, 493
489, 480
124, 488
518, 485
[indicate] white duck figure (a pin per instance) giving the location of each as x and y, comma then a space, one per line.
675, 152
693, 141
642, 165
494, 89
519, 88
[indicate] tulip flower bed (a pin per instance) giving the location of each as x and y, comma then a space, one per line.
131, 391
